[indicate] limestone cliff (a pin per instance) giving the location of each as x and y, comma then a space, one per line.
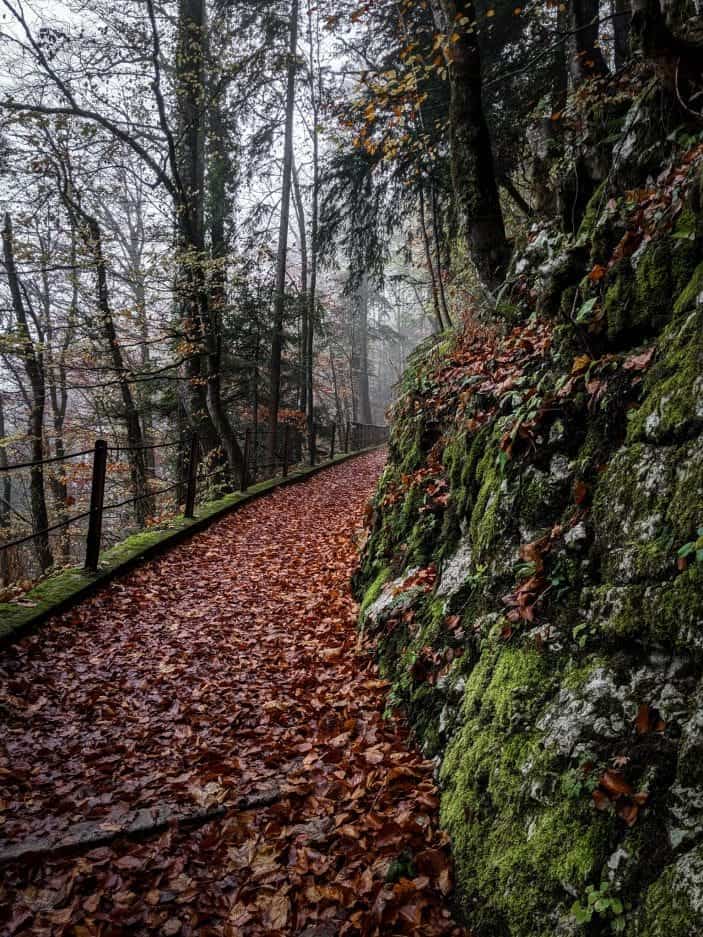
533, 576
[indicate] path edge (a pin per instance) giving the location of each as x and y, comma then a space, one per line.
66, 588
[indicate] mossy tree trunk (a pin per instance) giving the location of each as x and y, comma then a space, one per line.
221, 171
441, 325
201, 314
472, 166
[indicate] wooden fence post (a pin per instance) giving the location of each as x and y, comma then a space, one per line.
286, 443
334, 429
97, 500
346, 437
192, 478
245, 460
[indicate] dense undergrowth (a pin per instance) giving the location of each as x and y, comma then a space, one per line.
533, 572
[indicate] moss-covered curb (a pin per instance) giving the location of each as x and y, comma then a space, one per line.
66, 588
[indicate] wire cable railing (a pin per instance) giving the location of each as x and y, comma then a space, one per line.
356, 436
46, 530
55, 458
156, 445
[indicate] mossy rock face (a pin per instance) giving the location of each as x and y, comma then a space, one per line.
492, 508
503, 804
691, 296
643, 292
640, 299
618, 299
526, 715
672, 409
648, 503
668, 613
673, 905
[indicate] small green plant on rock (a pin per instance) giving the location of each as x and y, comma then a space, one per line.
598, 901
581, 781
691, 548
583, 632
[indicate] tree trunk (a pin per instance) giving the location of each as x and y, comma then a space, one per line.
363, 382
144, 503
58, 394
438, 255
335, 386
220, 207
304, 308
315, 97
134, 245
282, 255
523, 206
189, 205
5, 497
34, 367
621, 32
586, 59
145, 402
430, 263
473, 174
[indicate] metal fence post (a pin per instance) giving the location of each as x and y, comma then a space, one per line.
334, 430
286, 444
192, 478
245, 460
313, 444
97, 499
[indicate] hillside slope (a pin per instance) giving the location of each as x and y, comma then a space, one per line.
533, 575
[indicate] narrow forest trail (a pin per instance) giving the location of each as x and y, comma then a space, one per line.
226, 669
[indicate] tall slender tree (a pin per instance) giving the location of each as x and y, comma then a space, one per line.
282, 252
5, 495
33, 360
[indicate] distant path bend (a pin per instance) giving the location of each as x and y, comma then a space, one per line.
218, 690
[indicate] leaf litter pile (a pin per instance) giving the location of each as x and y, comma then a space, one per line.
201, 748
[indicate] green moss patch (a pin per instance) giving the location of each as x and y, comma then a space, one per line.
672, 409
667, 910
522, 848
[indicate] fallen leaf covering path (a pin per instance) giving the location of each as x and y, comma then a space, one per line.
226, 668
